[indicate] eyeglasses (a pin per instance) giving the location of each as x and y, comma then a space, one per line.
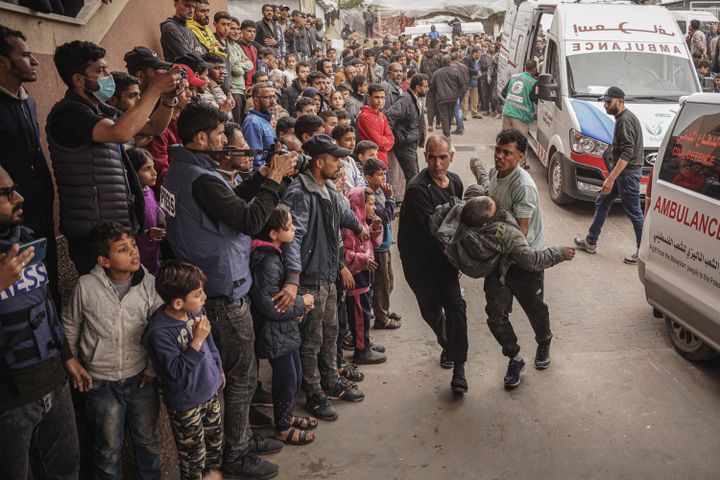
9, 192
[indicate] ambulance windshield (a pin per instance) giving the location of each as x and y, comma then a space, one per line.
642, 76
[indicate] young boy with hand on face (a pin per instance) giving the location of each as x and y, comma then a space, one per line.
179, 341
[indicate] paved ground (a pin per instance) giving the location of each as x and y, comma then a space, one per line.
616, 403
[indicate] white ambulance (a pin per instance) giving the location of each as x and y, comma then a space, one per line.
589, 47
679, 257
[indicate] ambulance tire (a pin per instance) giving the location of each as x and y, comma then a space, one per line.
687, 344
555, 180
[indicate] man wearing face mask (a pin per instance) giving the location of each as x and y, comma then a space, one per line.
95, 180
210, 226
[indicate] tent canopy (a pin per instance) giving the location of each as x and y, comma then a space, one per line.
465, 9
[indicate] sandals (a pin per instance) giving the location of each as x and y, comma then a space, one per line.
305, 437
304, 423
350, 371
389, 324
394, 316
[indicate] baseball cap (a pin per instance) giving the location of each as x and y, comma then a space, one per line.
193, 80
284, 7
144, 57
323, 143
194, 61
612, 92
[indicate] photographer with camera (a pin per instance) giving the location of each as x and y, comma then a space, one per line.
210, 226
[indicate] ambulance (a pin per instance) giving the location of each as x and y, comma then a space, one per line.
589, 47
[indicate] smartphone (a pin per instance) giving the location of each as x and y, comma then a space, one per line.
40, 249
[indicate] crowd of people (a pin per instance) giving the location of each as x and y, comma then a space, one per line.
229, 201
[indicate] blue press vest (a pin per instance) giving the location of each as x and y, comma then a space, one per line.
30, 330
222, 252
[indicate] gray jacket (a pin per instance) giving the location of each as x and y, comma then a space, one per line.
314, 257
479, 251
103, 332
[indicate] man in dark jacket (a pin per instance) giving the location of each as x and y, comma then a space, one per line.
446, 86
266, 29
432, 278
293, 92
210, 226
22, 155
392, 85
37, 413
407, 122
175, 37
313, 261
95, 180
431, 62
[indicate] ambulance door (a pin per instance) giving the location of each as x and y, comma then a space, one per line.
548, 112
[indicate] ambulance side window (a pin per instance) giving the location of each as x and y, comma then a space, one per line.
692, 156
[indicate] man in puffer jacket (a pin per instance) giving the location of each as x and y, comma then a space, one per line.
479, 238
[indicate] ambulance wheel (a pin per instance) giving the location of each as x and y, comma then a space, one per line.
555, 179
686, 343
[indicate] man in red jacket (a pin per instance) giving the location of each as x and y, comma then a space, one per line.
372, 124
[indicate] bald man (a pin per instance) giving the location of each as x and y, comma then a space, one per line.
432, 278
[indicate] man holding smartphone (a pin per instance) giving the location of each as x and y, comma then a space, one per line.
35, 399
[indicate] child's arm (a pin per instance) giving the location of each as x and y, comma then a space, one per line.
386, 211
267, 281
376, 233
354, 261
72, 320
527, 258
170, 356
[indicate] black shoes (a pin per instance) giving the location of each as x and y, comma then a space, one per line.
459, 383
542, 357
444, 362
514, 370
261, 397
250, 467
260, 445
369, 356
345, 391
320, 407
258, 419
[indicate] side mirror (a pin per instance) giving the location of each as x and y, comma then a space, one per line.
708, 84
548, 89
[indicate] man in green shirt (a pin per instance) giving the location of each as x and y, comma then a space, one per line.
520, 99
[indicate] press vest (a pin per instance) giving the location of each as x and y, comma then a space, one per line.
517, 101
222, 252
30, 330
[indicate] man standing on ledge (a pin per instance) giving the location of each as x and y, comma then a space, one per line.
625, 172
432, 278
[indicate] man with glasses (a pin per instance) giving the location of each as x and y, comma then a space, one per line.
257, 126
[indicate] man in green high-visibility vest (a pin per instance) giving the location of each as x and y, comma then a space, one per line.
520, 99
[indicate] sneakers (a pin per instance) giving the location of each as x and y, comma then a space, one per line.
631, 259
369, 356
250, 467
261, 398
444, 362
512, 377
458, 132
542, 357
260, 445
345, 391
459, 384
258, 419
478, 170
320, 407
582, 244
377, 347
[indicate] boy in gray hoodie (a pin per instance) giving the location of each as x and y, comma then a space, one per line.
104, 324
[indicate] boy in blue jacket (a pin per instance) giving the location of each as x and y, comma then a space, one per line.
184, 355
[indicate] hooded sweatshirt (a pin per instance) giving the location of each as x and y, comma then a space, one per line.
358, 252
189, 377
372, 125
206, 36
177, 39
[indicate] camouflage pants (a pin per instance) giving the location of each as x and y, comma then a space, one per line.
198, 435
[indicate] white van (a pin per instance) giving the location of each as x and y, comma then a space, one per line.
679, 257
588, 48
684, 17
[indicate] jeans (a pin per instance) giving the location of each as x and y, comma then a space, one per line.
627, 186
43, 430
234, 336
459, 115
441, 306
109, 405
286, 382
319, 332
528, 288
